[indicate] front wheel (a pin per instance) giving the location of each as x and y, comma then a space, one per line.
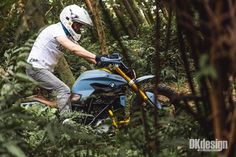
163, 94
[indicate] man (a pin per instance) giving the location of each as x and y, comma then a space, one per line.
46, 52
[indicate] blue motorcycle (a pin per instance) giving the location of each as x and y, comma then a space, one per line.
102, 93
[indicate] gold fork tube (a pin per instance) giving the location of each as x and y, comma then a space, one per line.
131, 83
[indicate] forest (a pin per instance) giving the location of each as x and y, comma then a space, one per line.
186, 51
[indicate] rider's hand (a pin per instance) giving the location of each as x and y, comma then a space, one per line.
98, 58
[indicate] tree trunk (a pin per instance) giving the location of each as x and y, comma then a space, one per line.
164, 9
211, 39
137, 11
157, 64
93, 7
148, 12
64, 72
114, 33
130, 10
33, 17
120, 17
147, 17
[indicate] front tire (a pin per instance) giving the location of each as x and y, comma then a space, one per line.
164, 95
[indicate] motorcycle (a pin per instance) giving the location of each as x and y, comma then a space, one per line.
102, 93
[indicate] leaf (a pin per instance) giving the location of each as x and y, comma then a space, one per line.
7, 55
21, 49
6, 89
14, 150
23, 55
24, 77
50, 132
206, 69
203, 61
20, 64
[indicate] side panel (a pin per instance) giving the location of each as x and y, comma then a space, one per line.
83, 86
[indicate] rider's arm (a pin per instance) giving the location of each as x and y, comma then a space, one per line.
77, 49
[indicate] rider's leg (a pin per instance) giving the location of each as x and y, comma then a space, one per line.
49, 81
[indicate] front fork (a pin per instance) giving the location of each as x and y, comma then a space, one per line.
136, 89
133, 86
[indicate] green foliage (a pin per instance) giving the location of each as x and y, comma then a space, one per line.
14, 82
142, 52
14, 85
34, 130
206, 70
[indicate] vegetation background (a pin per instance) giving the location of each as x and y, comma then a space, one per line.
188, 44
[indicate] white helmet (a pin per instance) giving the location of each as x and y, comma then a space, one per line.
74, 13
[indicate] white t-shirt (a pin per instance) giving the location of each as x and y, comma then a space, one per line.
46, 50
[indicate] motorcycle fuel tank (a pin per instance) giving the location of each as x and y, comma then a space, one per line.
83, 85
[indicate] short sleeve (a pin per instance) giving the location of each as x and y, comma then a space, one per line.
58, 31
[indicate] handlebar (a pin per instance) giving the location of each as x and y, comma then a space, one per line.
114, 58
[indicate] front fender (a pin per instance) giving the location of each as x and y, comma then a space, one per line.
153, 100
150, 95
143, 78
